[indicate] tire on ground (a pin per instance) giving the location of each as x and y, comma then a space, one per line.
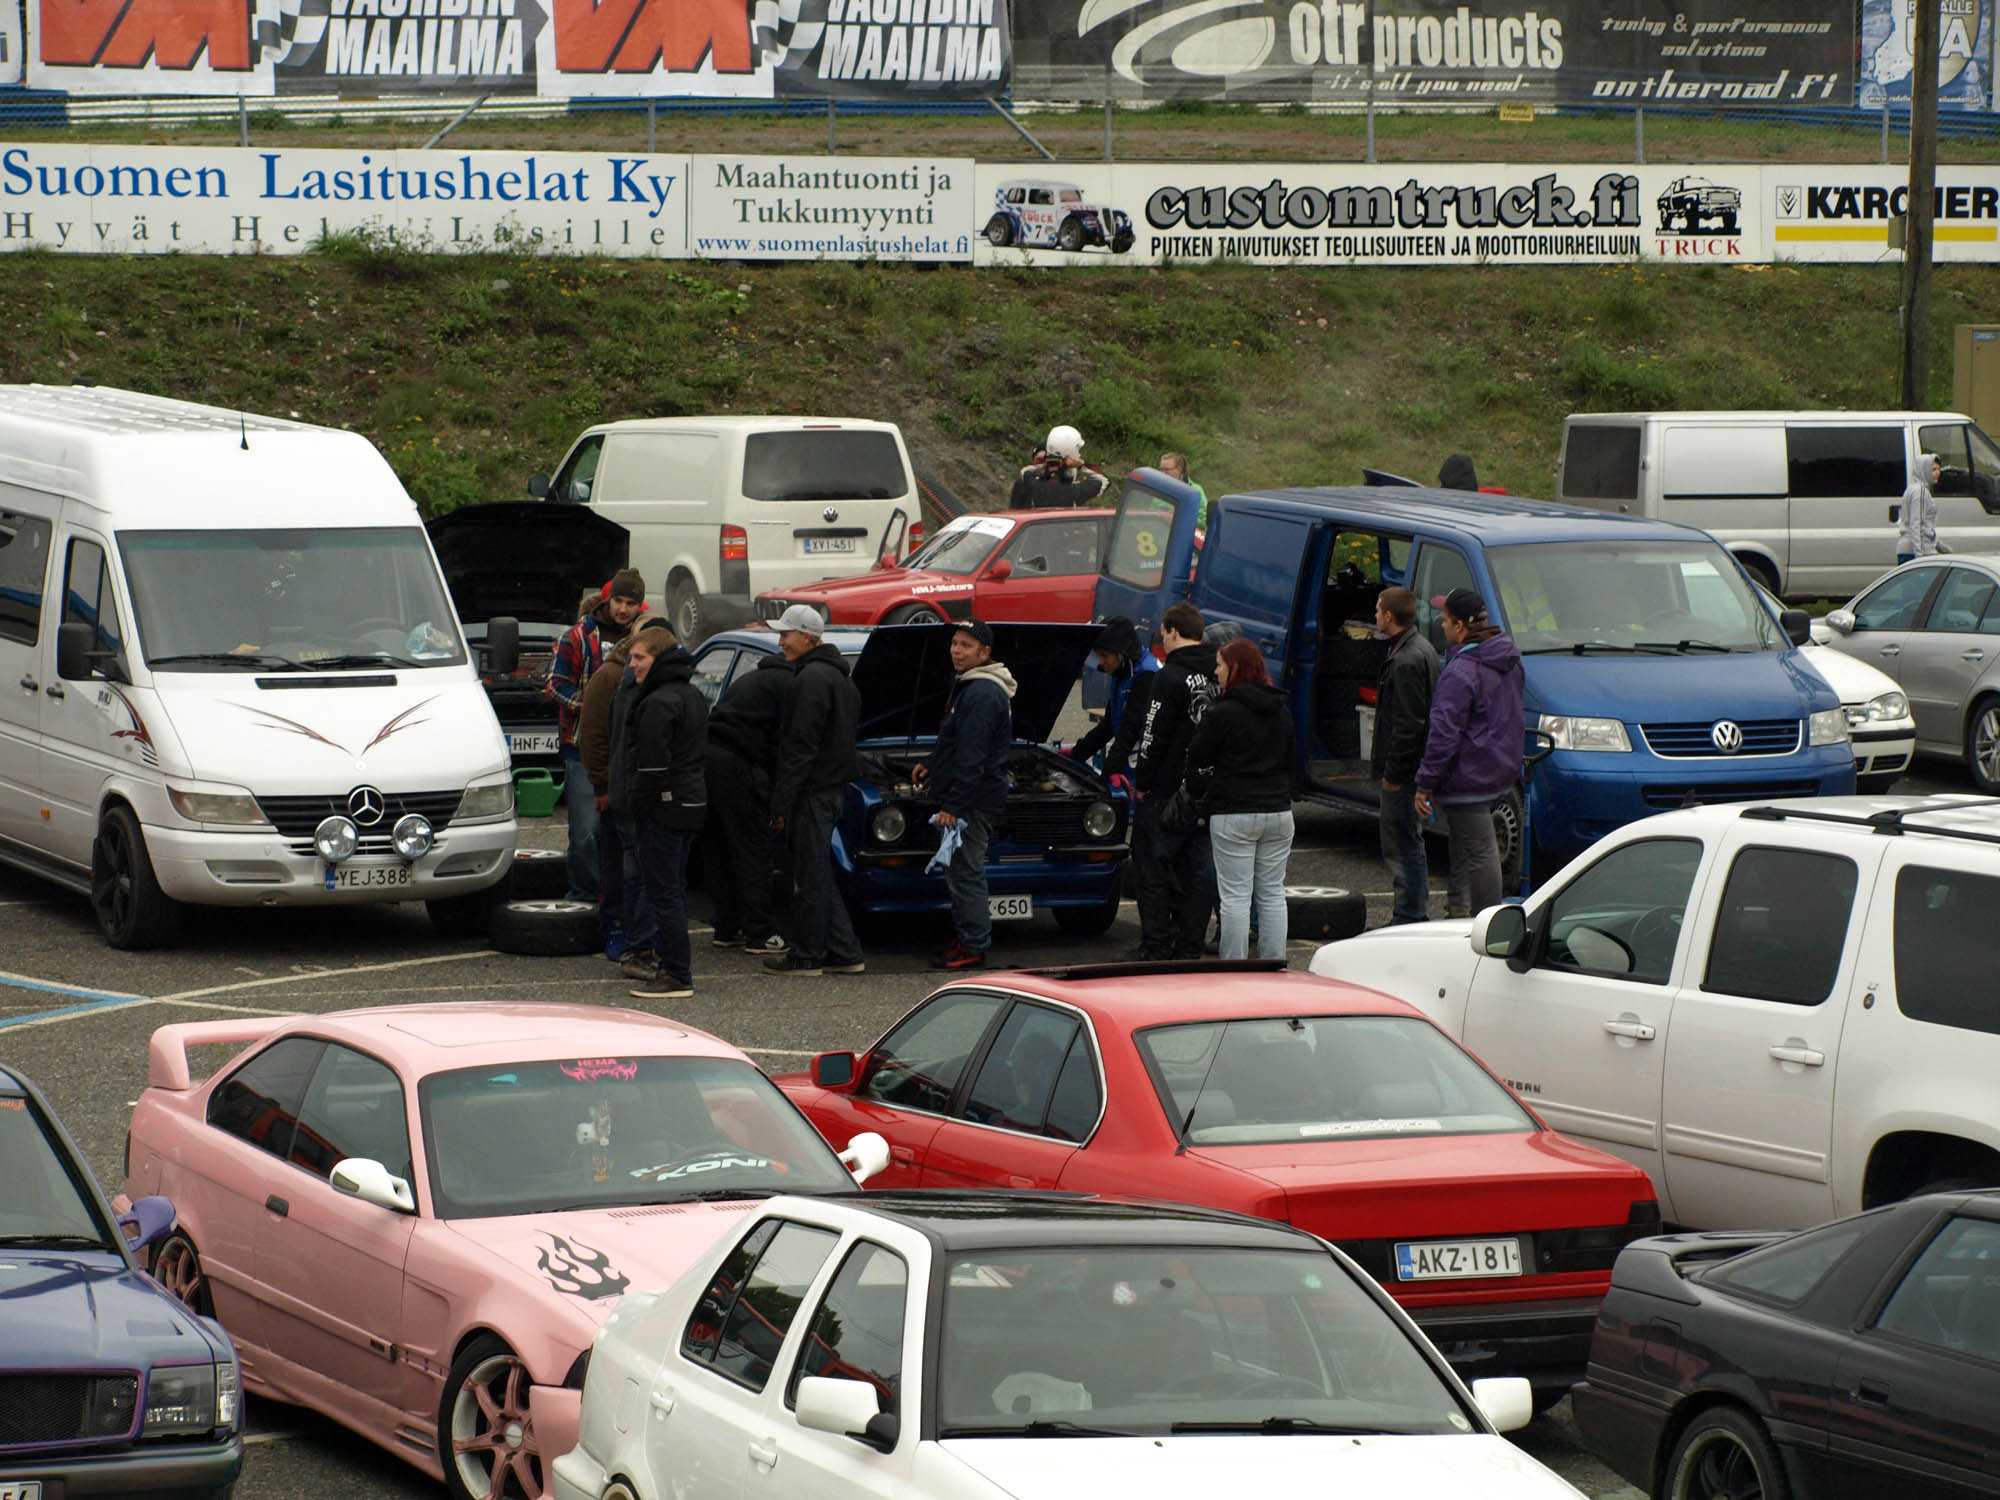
540, 874
1323, 913
545, 929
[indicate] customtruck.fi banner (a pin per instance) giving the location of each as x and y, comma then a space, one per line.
1343, 214
747, 49
1761, 52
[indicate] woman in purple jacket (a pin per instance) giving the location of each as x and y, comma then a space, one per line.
1473, 756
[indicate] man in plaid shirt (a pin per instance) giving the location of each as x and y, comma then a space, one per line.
578, 654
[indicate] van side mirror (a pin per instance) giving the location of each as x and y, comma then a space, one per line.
1502, 932
1841, 620
833, 1070
78, 660
1796, 624
503, 645
538, 486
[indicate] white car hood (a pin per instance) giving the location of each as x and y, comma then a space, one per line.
1853, 680
1427, 964
1202, 1467
431, 731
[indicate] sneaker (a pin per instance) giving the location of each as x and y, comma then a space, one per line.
765, 947
791, 963
662, 986
615, 946
958, 956
847, 966
639, 964
721, 939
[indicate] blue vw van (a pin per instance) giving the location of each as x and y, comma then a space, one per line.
1655, 677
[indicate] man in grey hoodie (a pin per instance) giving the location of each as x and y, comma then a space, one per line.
1917, 535
968, 777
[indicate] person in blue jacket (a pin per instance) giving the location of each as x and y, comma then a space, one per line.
1128, 667
967, 776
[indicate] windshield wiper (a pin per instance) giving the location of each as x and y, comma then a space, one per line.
1682, 646
364, 659
89, 1241
1044, 1427
1277, 1426
723, 1195
257, 661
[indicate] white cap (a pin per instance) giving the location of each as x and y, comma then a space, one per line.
1065, 442
802, 617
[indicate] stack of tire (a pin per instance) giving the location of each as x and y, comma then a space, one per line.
528, 913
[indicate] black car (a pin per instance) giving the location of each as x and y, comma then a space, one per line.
532, 562
1859, 1359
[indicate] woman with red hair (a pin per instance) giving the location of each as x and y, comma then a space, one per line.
1240, 775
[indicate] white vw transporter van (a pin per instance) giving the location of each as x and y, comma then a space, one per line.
230, 673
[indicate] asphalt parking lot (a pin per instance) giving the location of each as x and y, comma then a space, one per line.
75, 1016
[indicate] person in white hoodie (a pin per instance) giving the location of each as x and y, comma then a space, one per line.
967, 774
1918, 536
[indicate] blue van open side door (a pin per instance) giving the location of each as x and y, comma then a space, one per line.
1149, 557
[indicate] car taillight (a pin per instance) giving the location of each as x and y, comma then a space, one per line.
916, 538
735, 544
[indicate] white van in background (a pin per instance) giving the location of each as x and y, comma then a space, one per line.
722, 508
1808, 500
230, 674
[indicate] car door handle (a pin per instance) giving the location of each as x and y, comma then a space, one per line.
29, 685
1788, 1052
764, 1454
1872, 1392
662, 1402
277, 1205
1892, 651
1638, 1031
55, 690
1972, 656
902, 1153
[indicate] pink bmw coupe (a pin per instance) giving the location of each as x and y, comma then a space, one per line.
414, 1218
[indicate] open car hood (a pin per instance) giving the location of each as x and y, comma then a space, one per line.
904, 674
531, 559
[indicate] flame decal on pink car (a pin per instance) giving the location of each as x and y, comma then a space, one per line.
578, 1270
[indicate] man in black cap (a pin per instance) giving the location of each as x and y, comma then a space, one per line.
967, 775
1473, 750
577, 657
1130, 668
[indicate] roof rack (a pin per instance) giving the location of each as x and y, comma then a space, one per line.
1890, 821
1138, 968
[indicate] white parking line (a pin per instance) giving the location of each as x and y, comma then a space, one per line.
309, 977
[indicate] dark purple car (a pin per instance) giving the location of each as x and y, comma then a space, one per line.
108, 1386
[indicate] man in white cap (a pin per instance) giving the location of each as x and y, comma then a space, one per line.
815, 762
1062, 479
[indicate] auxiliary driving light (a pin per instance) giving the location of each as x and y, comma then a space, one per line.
336, 839
412, 836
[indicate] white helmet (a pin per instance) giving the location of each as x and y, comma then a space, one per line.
1064, 442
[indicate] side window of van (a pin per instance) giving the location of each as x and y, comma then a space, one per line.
87, 597
1439, 571
24, 563
1894, 603
580, 473
1601, 463
1837, 461
1963, 451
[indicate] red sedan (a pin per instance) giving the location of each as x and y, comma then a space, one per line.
1246, 1087
1015, 565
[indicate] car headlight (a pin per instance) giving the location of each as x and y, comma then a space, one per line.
1827, 727
412, 836
487, 799
180, 1398
336, 839
1885, 709
1569, 733
1099, 819
233, 806
887, 824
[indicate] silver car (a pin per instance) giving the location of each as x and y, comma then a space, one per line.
1934, 626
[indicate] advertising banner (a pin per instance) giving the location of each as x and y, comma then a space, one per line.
1844, 213
13, 46
1343, 214
1965, 52
1761, 52
159, 199
830, 208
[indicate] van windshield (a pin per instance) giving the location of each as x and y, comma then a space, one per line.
1642, 597
278, 600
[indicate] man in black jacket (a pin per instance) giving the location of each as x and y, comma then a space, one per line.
1175, 877
1131, 669
736, 847
664, 789
816, 761
968, 776
1402, 721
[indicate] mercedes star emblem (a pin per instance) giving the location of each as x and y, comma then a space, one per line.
366, 805
1728, 737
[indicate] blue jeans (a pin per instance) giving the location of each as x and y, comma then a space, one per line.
626, 904
1903, 557
582, 804
1251, 850
664, 853
1403, 852
821, 928
965, 878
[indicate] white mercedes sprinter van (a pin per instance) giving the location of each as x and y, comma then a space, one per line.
230, 673
1809, 501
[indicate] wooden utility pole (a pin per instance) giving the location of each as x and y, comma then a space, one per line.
1916, 306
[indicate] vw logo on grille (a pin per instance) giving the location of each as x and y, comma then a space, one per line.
366, 805
1727, 736
830, 514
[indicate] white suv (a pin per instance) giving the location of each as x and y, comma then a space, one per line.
1783, 1011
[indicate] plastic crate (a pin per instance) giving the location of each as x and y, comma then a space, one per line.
536, 792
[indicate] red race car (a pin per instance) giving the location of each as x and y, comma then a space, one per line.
1242, 1086
1015, 565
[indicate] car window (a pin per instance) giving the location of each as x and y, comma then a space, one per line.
917, 1065
1963, 601
1019, 1074
87, 596
1789, 1270
40, 1193
711, 673
704, 1325
1840, 461
1946, 947
1071, 195
353, 1108
574, 483
1782, 925
1601, 463
1015, 195
1439, 570
1950, 1298
756, 1326
856, 1332
1622, 916
1040, 195
24, 563
1054, 547
1077, 1102
259, 1102
1893, 603
1137, 551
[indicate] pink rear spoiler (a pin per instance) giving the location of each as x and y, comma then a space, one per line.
166, 1056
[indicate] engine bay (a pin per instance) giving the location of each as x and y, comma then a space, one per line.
1031, 769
